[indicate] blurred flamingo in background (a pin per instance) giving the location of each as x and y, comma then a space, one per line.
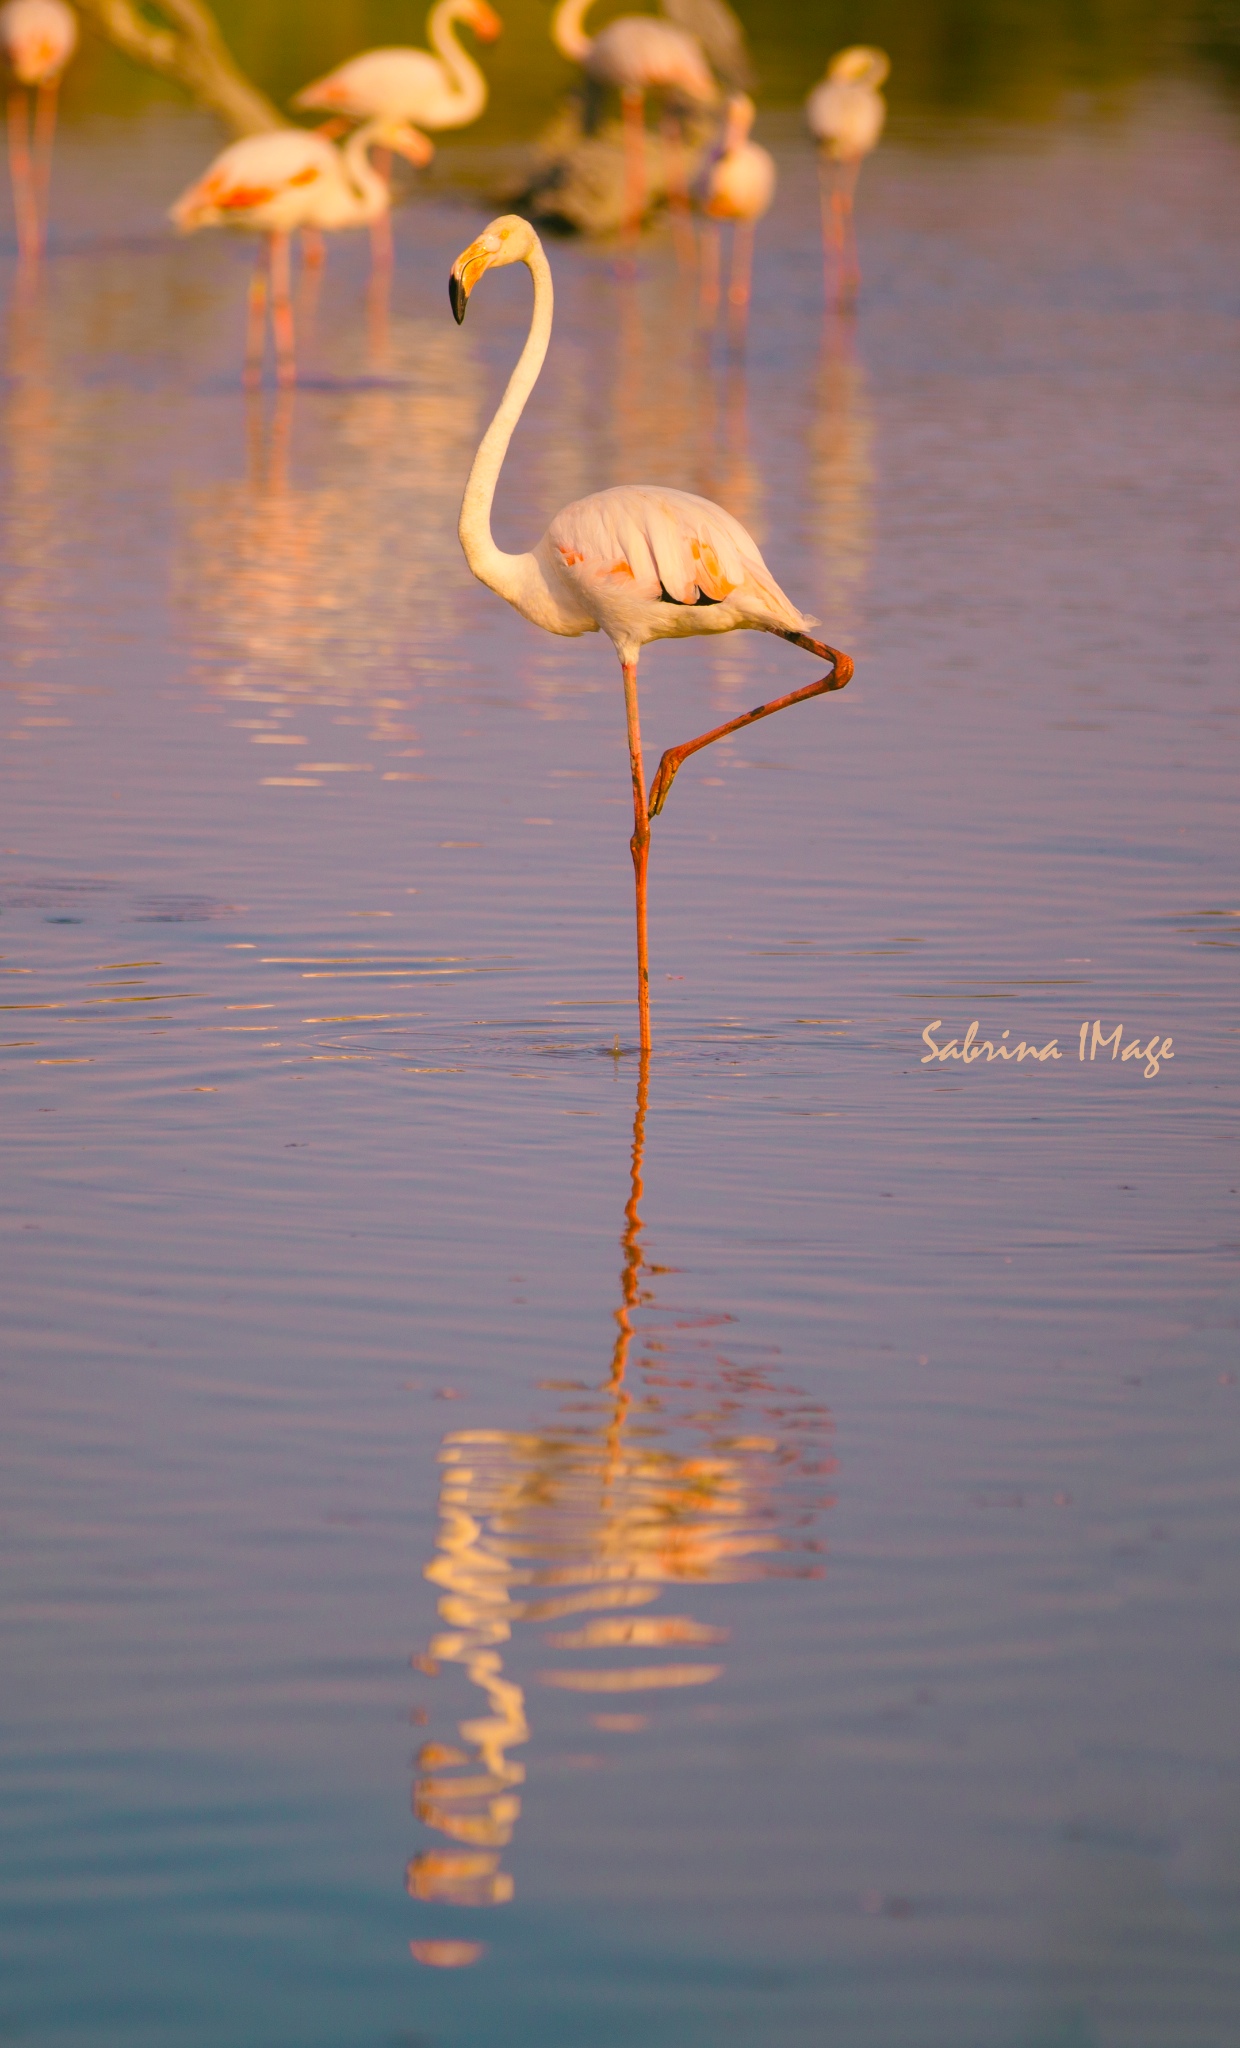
274, 184
37, 37
636, 54
447, 90
738, 184
638, 563
846, 115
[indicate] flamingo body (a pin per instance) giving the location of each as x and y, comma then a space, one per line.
271, 184
739, 183
640, 562
847, 111
38, 38
446, 90
637, 53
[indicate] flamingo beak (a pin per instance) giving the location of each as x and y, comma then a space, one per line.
466, 271
410, 143
485, 22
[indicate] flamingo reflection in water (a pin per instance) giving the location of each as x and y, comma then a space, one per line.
637, 562
684, 1468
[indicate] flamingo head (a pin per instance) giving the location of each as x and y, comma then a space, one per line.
483, 20
508, 240
860, 64
407, 141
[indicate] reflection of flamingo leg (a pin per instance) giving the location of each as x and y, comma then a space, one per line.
256, 317
21, 175
639, 846
709, 296
44, 136
675, 757
282, 310
633, 106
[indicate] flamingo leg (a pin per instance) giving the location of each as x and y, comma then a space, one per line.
633, 106
677, 189
639, 847
256, 318
850, 269
313, 249
45, 104
282, 310
708, 298
742, 273
21, 175
675, 757
381, 225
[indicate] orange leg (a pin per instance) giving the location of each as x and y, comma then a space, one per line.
708, 295
21, 175
850, 269
639, 847
633, 105
381, 226
282, 310
256, 319
742, 276
677, 190
675, 757
44, 136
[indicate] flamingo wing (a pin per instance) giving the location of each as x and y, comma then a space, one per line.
397, 83
254, 174
665, 546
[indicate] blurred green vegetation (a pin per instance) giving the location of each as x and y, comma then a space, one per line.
1013, 59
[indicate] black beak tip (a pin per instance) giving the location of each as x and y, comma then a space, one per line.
458, 298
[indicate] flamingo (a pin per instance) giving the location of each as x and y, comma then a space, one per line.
444, 91
846, 113
637, 54
637, 562
273, 184
738, 184
37, 37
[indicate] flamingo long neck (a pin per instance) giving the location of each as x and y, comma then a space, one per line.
367, 191
506, 574
567, 32
469, 87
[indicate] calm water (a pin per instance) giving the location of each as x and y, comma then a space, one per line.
752, 1560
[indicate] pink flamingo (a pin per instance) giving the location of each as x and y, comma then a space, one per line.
637, 54
38, 37
846, 115
447, 90
274, 184
638, 563
738, 184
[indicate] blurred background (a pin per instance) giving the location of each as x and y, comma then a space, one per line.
1015, 59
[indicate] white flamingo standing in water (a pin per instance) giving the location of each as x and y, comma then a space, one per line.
636, 54
638, 563
37, 37
272, 185
846, 115
447, 90
738, 184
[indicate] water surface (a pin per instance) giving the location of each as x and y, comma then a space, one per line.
795, 1490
